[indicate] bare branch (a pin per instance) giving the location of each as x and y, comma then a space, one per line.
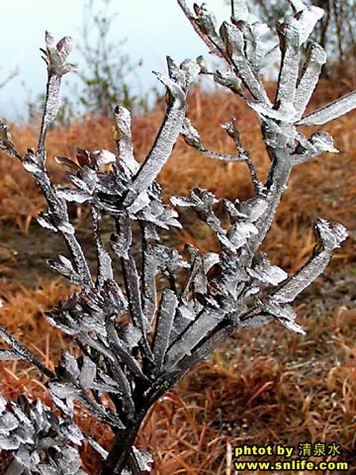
12, 75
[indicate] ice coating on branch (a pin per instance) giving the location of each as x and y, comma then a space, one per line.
304, 22
123, 138
144, 459
265, 272
54, 101
298, 5
56, 54
239, 10
294, 31
177, 88
191, 337
44, 220
9, 355
192, 138
257, 46
72, 195
229, 79
146, 312
284, 314
330, 112
330, 234
315, 59
103, 157
64, 266
323, 142
234, 43
40, 441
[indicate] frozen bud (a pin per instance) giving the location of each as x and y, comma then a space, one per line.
323, 142
55, 55
331, 235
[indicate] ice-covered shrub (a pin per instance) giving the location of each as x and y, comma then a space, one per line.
139, 338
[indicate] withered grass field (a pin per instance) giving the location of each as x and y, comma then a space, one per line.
266, 385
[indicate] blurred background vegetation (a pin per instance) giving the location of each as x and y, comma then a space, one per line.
106, 73
336, 32
107, 76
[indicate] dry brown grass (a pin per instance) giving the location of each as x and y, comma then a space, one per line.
267, 385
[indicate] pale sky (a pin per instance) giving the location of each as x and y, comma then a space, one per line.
153, 29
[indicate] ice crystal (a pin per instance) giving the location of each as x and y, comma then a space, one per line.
41, 442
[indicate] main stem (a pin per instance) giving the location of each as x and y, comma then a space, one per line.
119, 455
